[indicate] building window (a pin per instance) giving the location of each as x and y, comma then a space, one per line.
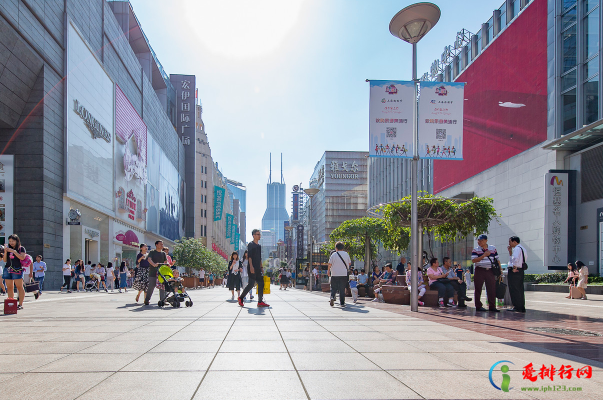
569, 48
516, 5
591, 34
569, 111
591, 100
503, 16
590, 4
568, 18
591, 67
568, 80
490, 32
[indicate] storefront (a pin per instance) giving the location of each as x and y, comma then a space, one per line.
119, 181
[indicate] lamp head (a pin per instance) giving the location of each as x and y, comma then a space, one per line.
311, 191
414, 21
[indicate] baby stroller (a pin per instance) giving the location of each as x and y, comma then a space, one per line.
91, 285
174, 293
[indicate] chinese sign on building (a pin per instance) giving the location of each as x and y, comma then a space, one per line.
229, 218
390, 112
300, 241
295, 213
218, 202
441, 120
555, 220
343, 170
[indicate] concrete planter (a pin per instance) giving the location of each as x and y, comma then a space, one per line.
395, 294
560, 288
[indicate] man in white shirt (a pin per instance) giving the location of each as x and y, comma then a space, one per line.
202, 277
338, 271
316, 276
482, 257
517, 266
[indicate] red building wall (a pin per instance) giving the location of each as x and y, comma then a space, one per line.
512, 70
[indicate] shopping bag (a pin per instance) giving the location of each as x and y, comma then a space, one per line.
32, 287
501, 289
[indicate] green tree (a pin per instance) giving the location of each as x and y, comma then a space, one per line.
191, 253
441, 218
354, 233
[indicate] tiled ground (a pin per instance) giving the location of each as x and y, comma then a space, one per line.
104, 346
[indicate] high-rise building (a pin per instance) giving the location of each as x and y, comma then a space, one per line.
276, 212
238, 196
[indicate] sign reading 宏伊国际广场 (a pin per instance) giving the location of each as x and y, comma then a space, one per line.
391, 116
440, 123
556, 220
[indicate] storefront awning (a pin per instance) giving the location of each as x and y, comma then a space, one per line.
579, 140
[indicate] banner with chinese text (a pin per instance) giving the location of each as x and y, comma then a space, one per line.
218, 202
390, 112
441, 120
556, 222
229, 220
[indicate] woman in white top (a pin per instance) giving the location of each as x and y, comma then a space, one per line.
245, 274
582, 278
66, 276
110, 276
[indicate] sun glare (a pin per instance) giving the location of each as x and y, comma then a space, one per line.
243, 28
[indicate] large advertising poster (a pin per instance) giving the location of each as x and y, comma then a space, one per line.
556, 222
441, 120
89, 119
505, 111
7, 171
130, 162
390, 111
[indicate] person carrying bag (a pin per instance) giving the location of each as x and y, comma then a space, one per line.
338, 272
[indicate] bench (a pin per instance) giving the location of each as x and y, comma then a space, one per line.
395, 294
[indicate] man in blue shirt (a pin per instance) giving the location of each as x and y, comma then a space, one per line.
457, 283
39, 269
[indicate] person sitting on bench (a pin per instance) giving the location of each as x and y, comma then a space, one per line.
438, 280
457, 283
420, 284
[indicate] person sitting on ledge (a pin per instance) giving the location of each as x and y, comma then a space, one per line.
457, 283
438, 280
385, 279
420, 284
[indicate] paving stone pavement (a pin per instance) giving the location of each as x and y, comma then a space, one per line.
105, 346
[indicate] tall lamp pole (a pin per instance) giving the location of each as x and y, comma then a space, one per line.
311, 192
411, 25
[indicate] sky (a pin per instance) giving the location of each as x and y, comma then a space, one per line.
289, 76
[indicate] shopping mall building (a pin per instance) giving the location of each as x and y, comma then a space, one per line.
532, 131
92, 162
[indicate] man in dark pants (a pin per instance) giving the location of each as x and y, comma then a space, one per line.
482, 257
156, 258
457, 283
338, 271
254, 266
517, 266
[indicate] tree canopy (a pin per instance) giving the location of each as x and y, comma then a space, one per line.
192, 253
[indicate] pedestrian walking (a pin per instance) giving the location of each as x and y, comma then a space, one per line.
101, 271
202, 277
110, 276
234, 277
13, 254
211, 280
141, 277
123, 277
156, 258
354, 287
169, 260
515, 271
468, 278
245, 275
338, 265
87, 271
80, 276
256, 274
306, 276
582, 278
66, 276
484, 256
39, 268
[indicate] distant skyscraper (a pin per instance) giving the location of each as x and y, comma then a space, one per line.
276, 212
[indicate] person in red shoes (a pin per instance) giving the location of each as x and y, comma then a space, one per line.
254, 267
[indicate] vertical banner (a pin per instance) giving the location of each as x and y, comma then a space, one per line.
237, 241
556, 220
390, 113
7, 168
295, 213
233, 233
300, 241
441, 120
287, 238
218, 202
229, 219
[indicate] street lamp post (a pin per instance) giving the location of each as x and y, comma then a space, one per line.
311, 192
411, 24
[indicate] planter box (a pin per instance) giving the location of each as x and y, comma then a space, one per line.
325, 287
395, 294
218, 281
560, 288
191, 282
430, 298
401, 280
